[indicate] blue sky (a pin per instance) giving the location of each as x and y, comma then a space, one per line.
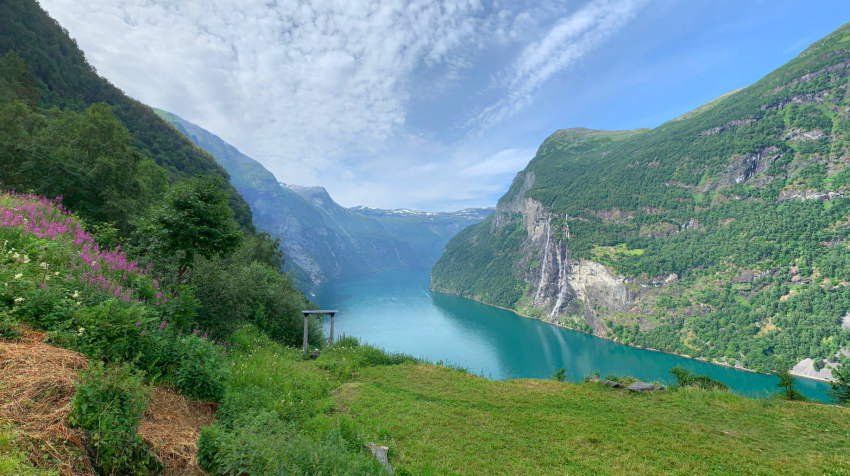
424, 104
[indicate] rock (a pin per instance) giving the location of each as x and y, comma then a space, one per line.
641, 387
379, 452
611, 383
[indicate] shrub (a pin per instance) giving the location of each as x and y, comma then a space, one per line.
560, 375
840, 391
112, 331
10, 328
108, 405
684, 378
234, 291
201, 369
46, 309
786, 383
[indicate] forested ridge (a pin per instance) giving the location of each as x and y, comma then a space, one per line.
56, 75
744, 201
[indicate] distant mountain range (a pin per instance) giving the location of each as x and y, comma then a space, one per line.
722, 234
322, 240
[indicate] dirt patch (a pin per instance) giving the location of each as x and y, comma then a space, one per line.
36, 386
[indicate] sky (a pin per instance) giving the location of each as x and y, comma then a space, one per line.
431, 105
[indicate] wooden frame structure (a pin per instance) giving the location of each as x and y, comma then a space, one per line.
320, 314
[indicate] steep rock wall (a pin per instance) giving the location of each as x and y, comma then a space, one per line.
561, 289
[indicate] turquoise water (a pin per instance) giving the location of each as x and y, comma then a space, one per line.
396, 311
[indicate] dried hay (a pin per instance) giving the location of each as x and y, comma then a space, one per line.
171, 426
36, 386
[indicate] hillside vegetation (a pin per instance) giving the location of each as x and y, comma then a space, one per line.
721, 234
55, 74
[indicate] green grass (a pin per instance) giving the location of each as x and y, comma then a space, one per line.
438, 421
13, 460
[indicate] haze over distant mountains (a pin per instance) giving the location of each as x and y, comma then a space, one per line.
322, 240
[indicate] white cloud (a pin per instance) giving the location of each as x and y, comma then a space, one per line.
570, 39
319, 91
505, 162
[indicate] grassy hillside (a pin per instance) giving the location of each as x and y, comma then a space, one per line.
728, 225
439, 421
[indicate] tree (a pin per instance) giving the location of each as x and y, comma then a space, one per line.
840, 392
194, 221
786, 383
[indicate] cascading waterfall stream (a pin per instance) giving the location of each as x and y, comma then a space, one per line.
543, 267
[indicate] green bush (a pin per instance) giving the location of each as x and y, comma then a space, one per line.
108, 405
684, 378
202, 370
45, 309
786, 383
10, 328
840, 391
235, 290
112, 331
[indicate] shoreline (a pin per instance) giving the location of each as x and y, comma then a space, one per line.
712, 362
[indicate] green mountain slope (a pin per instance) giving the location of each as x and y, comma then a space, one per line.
64, 79
322, 240
721, 234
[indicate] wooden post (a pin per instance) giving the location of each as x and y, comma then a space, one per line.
306, 331
332, 328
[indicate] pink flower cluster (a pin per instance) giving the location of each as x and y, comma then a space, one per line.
49, 219
43, 218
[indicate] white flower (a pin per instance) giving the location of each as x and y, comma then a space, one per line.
75, 295
19, 275
19, 300
80, 331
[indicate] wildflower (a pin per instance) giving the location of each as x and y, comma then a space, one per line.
19, 300
80, 331
138, 323
162, 325
43, 265
19, 275
144, 333
223, 352
75, 295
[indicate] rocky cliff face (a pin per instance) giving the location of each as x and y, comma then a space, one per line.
560, 289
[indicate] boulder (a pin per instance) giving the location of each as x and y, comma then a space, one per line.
611, 383
642, 387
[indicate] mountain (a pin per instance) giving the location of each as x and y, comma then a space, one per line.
322, 240
61, 77
721, 234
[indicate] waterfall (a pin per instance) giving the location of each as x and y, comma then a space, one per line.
543, 267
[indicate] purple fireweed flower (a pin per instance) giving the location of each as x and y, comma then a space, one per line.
162, 325
138, 323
